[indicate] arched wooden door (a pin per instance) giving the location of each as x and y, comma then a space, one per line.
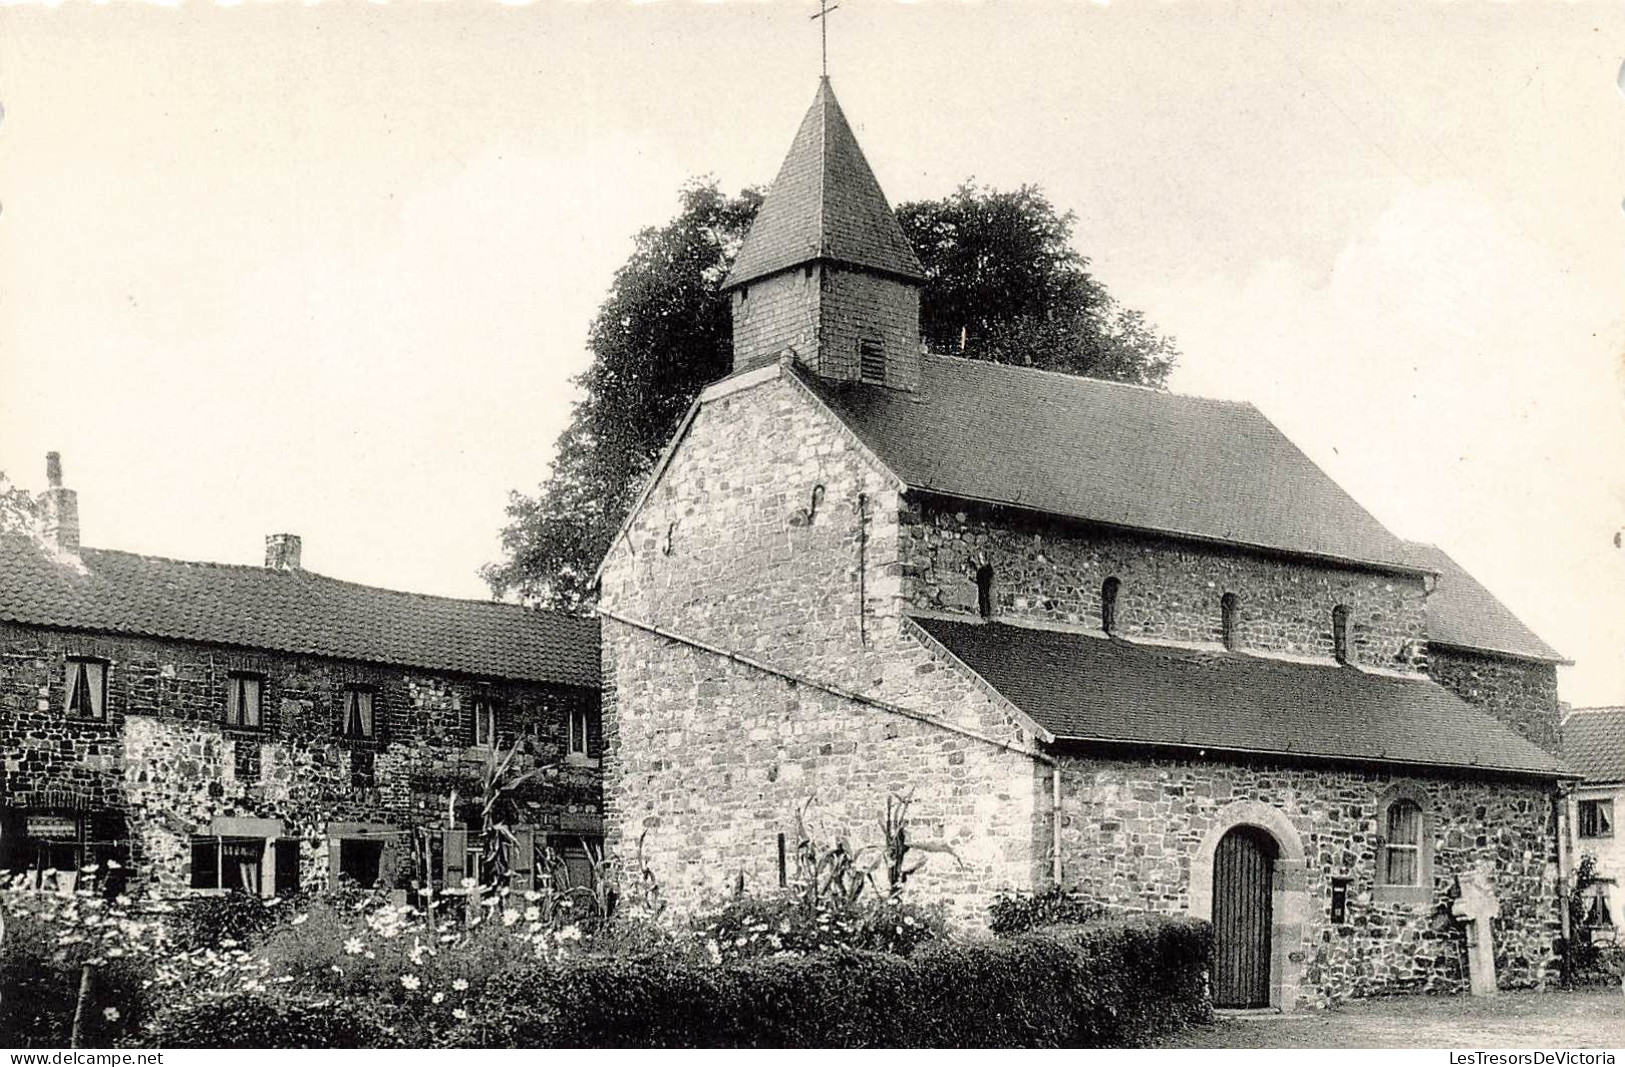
1242, 915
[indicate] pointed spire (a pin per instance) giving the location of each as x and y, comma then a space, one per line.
825, 205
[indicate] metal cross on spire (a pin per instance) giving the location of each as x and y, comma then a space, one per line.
822, 18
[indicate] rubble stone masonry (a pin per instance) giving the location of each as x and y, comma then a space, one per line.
164, 761
1521, 693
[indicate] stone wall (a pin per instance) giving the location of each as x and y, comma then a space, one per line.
1051, 573
1521, 693
773, 536
164, 758
1132, 829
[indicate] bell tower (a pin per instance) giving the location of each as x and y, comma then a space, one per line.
825, 270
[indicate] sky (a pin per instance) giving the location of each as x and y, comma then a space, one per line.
328, 268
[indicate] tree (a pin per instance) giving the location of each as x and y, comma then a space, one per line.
1003, 284
17, 510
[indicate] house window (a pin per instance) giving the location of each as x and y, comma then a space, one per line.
1402, 847
235, 864
85, 688
871, 361
359, 721
1108, 604
66, 850
361, 861
485, 722
1340, 633
1230, 620
243, 700
573, 861
580, 730
1596, 818
984, 590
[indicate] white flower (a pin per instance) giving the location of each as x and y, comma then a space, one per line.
354, 946
460, 984
110, 1014
336, 969
299, 920
459, 1013
469, 883
713, 951
410, 981
438, 997
509, 917
532, 914
532, 896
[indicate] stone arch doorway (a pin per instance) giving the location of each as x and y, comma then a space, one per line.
1243, 877
1247, 878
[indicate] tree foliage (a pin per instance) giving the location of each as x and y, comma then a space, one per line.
17, 510
1003, 284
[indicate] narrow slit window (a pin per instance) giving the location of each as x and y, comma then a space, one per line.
243, 699
1340, 633
579, 738
872, 361
85, 686
1108, 604
984, 591
1230, 621
485, 722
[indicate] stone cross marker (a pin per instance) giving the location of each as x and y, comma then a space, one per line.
1475, 907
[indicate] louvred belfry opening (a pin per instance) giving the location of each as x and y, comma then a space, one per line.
826, 272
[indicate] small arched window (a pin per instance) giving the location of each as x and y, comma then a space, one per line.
1108, 604
1230, 621
984, 590
1404, 850
1340, 633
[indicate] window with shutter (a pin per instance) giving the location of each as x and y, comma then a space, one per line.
872, 361
1596, 818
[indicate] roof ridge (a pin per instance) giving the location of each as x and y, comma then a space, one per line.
317, 576
1160, 391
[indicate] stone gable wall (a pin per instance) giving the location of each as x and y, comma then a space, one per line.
1520, 693
731, 551
1131, 828
165, 760
1047, 572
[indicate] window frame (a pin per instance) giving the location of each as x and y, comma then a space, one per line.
583, 756
358, 690
1342, 646
234, 681
265, 865
1419, 891
1602, 827
1230, 622
485, 721
97, 690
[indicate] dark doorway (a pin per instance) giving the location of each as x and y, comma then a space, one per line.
1243, 868
361, 861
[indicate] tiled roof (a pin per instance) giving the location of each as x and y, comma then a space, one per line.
825, 204
1216, 470
1100, 689
1461, 612
292, 611
1594, 743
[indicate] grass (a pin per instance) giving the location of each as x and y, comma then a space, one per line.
1554, 1019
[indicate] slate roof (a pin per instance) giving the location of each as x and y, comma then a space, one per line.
1099, 689
1215, 470
1594, 743
825, 204
1464, 614
292, 611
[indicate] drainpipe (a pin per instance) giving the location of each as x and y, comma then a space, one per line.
1055, 823
1560, 805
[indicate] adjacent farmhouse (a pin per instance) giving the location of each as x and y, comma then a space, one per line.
176, 727
1114, 639
1594, 741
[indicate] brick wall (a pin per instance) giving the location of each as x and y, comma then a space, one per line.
1521, 693
165, 760
1050, 572
1132, 826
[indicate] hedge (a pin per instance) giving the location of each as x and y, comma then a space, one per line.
1108, 984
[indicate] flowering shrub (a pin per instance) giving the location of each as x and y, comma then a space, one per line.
750, 927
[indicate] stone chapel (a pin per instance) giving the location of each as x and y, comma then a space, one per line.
1119, 640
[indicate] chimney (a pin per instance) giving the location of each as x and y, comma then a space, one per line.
282, 552
58, 509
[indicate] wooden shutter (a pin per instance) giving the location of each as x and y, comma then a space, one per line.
335, 862
234, 700
522, 865
389, 861
454, 858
